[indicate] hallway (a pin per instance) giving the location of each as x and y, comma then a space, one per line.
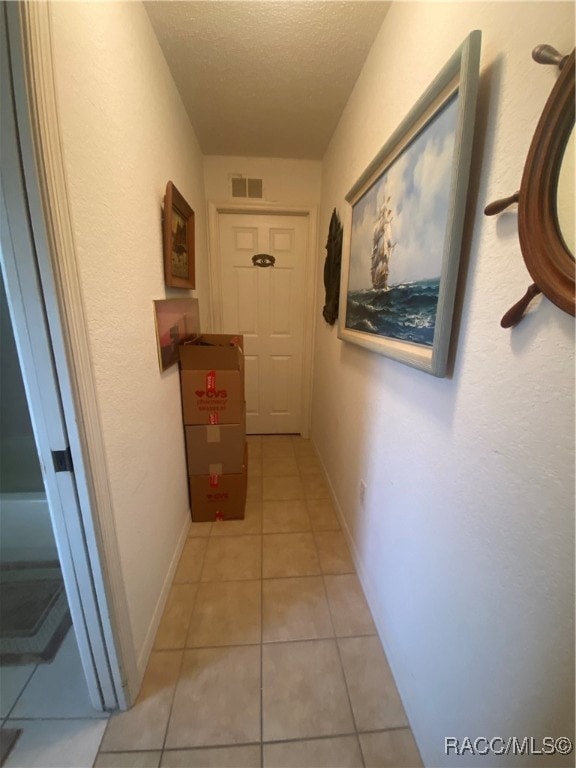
267, 653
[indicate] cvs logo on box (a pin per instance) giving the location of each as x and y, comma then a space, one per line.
217, 393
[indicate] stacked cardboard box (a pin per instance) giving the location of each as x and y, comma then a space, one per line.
214, 413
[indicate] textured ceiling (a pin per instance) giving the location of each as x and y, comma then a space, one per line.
265, 78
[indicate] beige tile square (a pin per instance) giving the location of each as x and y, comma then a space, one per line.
255, 467
277, 452
65, 675
322, 515
350, 612
215, 757
55, 743
338, 752
308, 464
254, 488
226, 613
176, 618
233, 558
128, 760
144, 726
315, 486
282, 488
254, 441
303, 691
190, 565
289, 554
254, 449
372, 690
295, 609
217, 698
390, 749
268, 440
279, 466
199, 530
333, 552
304, 447
252, 522
285, 516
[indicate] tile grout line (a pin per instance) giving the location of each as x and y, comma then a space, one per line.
340, 657
324, 737
262, 616
26, 684
250, 645
261, 502
183, 651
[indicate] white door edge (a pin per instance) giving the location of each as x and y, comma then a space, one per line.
96, 564
215, 209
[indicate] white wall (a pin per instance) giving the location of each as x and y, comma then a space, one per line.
125, 134
466, 541
287, 182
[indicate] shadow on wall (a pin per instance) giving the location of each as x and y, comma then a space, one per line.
483, 149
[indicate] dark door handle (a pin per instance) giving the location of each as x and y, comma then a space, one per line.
263, 260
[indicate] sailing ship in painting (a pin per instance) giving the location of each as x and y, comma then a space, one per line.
382, 247
405, 311
400, 225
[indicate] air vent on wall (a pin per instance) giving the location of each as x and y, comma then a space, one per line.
242, 187
254, 187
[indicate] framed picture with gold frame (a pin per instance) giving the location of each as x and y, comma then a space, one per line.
178, 237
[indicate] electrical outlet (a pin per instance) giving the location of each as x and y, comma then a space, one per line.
362, 492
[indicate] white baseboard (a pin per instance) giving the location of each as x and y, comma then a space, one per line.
146, 650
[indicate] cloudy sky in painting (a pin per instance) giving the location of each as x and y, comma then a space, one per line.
418, 183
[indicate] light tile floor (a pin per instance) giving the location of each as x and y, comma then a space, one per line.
267, 654
50, 704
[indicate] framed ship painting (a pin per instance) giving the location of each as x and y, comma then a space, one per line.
400, 267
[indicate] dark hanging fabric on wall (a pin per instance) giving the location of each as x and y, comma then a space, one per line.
332, 267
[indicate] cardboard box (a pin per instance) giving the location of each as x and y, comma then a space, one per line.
215, 449
212, 380
225, 500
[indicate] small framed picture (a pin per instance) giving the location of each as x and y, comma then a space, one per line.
178, 235
177, 320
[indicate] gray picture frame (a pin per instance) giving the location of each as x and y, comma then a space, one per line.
454, 91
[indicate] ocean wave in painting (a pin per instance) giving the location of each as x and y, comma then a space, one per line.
406, 311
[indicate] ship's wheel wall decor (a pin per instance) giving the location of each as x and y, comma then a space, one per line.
547, 246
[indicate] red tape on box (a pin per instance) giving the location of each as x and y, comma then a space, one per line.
219, 516
214, 481
211, 381
214, 418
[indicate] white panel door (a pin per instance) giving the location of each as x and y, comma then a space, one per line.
266, 305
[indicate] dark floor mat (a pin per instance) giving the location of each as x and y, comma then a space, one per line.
34, 615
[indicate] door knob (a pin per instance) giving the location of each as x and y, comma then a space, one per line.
263, 260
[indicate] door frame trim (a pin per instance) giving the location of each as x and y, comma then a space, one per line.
29, 27
215, 209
